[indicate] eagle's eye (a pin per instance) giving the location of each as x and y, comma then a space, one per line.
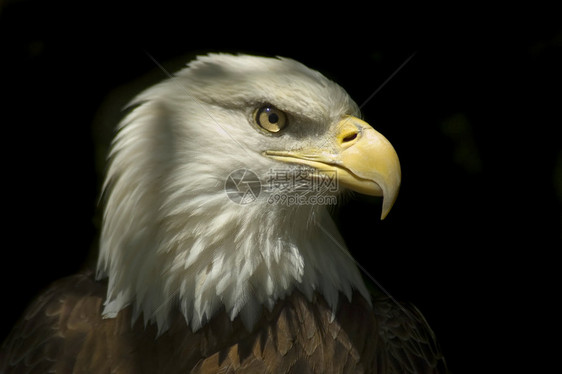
270, 118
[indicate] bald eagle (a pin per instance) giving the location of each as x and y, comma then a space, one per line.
217, 249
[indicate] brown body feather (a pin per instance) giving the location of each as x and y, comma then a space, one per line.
63, 332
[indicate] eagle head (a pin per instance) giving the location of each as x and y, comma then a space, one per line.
218, 185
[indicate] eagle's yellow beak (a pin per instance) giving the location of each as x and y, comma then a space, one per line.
363, 160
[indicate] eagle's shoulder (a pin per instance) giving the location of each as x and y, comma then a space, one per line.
408, 343
62, 331
54, 319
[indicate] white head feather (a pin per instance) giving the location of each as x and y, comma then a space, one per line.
171, 236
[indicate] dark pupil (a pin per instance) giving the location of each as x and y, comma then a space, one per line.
273, 118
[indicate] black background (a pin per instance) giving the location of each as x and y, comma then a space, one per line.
474, 116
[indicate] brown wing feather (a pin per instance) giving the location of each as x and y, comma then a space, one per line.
63, 332
302, 337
